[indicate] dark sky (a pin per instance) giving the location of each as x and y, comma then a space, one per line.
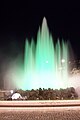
19, 20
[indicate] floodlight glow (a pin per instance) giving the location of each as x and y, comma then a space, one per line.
63, 61
46, 61
11, 91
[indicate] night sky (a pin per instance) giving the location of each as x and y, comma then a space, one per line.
19, 20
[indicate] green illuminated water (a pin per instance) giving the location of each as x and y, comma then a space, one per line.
45, 63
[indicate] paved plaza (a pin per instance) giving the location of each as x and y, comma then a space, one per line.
39, 113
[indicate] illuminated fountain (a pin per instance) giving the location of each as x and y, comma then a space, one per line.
45, 64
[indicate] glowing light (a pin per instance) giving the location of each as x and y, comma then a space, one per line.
63, 60
11, 91
46, 61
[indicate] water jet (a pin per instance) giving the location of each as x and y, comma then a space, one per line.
46, 63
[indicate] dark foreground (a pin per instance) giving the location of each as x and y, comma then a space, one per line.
22, 110
65, 113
